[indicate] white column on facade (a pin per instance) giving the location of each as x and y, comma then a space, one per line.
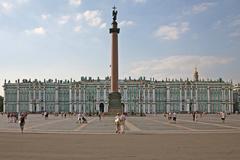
70, 99
186, 105
154, 100
180, 107
139, 99
80, 100
107, 106
222, 100
18, 96
168, 99
209, 102
75, 99
196, 99
44, 98
84, 100
98, 98
56, 100
39, 99
148, 105
144, 100
125, 99
229, 100
30, 100
104, 94
34, 98
191, 100
5, 99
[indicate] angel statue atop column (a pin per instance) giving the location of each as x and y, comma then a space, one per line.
114, 14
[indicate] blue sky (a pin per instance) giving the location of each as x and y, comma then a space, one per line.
66, 39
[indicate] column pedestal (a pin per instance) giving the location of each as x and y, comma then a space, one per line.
114, 103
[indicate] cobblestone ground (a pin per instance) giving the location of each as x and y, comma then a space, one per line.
151, 124
147, 138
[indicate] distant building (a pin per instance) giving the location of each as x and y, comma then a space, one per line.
138, 96
236, 97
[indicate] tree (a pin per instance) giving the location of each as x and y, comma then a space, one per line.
1, 104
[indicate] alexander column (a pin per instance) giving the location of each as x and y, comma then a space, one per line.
114, 96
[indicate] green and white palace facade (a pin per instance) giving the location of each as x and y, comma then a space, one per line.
138, 96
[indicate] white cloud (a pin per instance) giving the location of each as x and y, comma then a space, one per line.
22, 1
45, 16
64, 19
235, 33
172, 31
93, 18
78, 17
234, 26
140, 1
37, 31
103, 25
126, 23
201, 7
175, 66
77, 29
6, 7
75, 2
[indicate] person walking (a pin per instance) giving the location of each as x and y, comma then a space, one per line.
22, 122
169, 116
223, 116
79, 117
174, 117
122, 123
100, 116
117, 123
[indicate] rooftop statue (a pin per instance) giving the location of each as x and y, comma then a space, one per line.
114, 14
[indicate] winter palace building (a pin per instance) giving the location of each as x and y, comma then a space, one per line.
138, 96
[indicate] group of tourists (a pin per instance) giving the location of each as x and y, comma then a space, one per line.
171, 116
120, 123
81, 118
